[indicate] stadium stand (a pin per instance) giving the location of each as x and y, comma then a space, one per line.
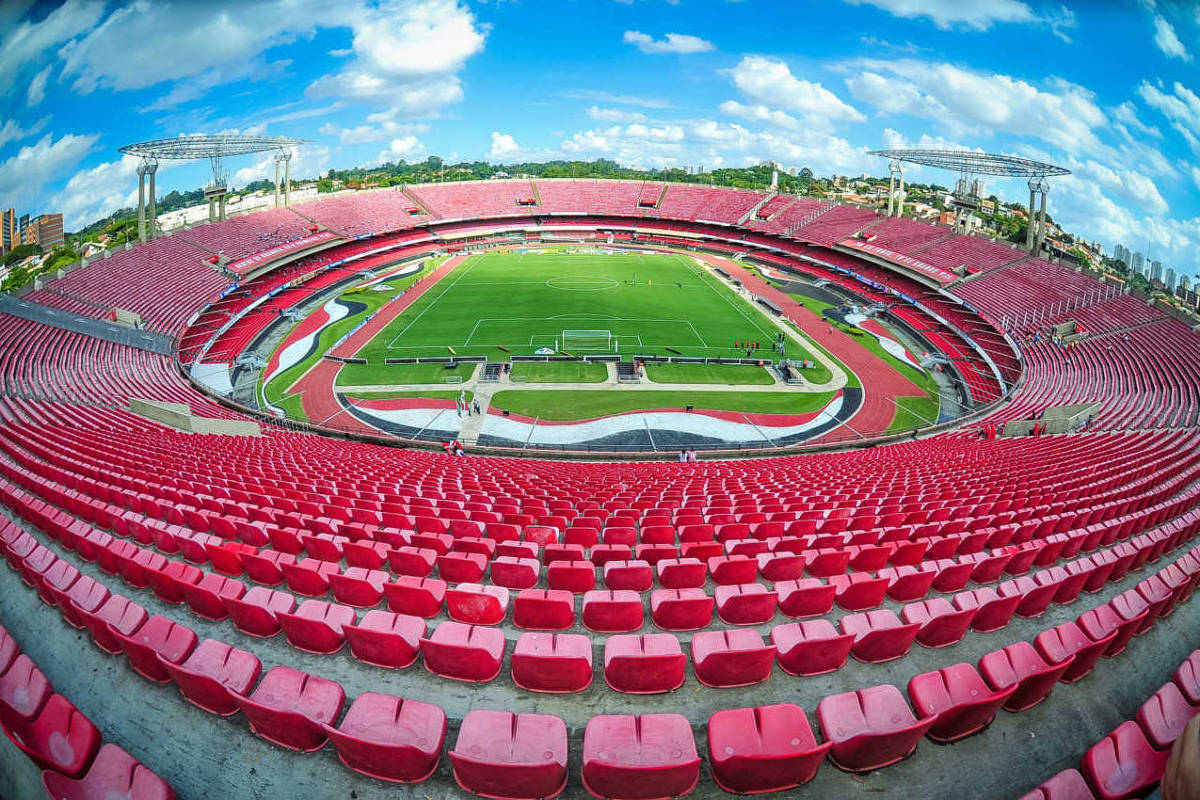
944, 588
250, 233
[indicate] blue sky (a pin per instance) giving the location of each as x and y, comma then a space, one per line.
1107, 89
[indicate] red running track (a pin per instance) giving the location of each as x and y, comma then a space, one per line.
880, 382
315, 387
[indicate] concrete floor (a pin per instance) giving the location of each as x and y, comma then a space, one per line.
204, 756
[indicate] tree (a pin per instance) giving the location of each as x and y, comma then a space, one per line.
22, 252
324, 185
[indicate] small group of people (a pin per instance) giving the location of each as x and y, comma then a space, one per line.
470, 406
991, 430
453, 448
687, 456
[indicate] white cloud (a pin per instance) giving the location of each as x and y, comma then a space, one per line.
381, 127
680, 43
95, 193
26, 42
407, 55
771, 82
10, 131
759, 113
37, 87
1167, 41
1062, 113
946, 14
1181, 108
23, 175
307, 162
619, 99
503, 146
400, 148
614, 115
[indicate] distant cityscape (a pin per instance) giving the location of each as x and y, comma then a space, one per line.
1153, 271
44, 230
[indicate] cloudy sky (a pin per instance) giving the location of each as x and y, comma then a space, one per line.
1105, 88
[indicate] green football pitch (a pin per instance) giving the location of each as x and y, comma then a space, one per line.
505, 303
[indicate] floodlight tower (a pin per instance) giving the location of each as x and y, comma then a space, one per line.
215, 148
968, 164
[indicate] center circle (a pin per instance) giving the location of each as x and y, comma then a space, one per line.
582, 283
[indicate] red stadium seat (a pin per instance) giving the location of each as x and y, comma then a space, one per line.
213, 673
1123, 765
113, 774
419, 597
858, 591
958, 698
764, 749
24, 690
806, 597
390, 738
1020, 665
878, 635
358, 586
386, 639
515, 573
681, 573
159, 640
118, 615
632, 575
612, 610
940, 623
1164, 715
1066, 785
317, 626
639, 757
1068, 639
992, 611
681, 609
500, 754
1187, 678
477, 604
290, 708
870, 728
811, 647
59, 738
544, 609
745, 604
731, 658
549, 662
461, 652
257, 612
649, 664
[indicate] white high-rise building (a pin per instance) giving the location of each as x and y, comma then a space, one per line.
1137, 263
1156, 271
1170, 280
1185, 282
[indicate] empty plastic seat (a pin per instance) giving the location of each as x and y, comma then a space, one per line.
764, 749
733, 569
207, 596
1164, 715
309, 576
992, 611
1101, 621
631, 575
386, 639
806, 597
1020, 665
811, 647
1066, 785
909, 583
544, 609
858, 591
213, 674
289, 708
573, 576
1123, 764
612, 610
940, 623
358, 586
870, 728
457, 567
731, 658
476, 604
1068, 639
681, 573
86, 595
416, 562
745, 604
1187, 678
639, 757
780, 566
390, 738
317, 626
114, 774
419, 597
500, 754
256, 612
9, 650
24, 689
878, 635
681, 609
515, 573
59, 738
157, 641
648, 664
118, 615
464, 652
959, 699
550, 662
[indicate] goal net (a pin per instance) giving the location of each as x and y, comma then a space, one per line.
586, 340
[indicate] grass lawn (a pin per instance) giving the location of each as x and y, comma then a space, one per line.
815, 306
558, 372
523, 302
727, 374
915, 412
585, 404
359, 394
390, 374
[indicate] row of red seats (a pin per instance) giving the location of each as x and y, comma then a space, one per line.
61, 740
1130, 761
380, 734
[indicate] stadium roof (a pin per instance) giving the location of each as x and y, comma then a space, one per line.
208, 146
975, 163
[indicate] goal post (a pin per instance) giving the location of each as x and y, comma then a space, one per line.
573, 340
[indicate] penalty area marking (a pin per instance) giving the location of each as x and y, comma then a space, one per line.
582, 283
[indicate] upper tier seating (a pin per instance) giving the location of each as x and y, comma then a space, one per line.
366, 213
1032, 285
249, 233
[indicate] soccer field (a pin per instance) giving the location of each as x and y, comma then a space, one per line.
525, 301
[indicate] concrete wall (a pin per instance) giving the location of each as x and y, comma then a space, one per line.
179, 416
